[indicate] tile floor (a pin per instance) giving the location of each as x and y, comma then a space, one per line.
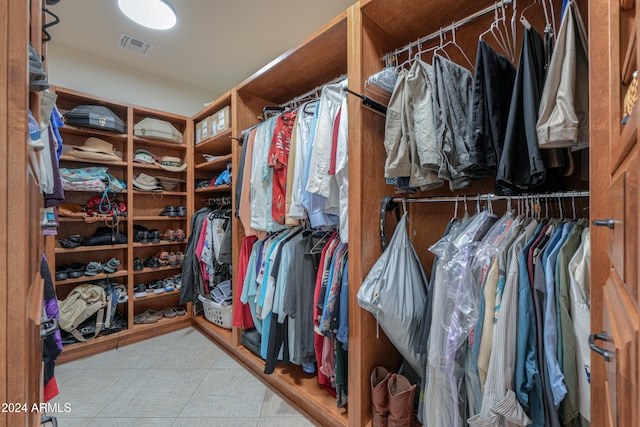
180, 379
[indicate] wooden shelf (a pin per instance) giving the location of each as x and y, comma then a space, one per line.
82, 349
119, 273
91, 249
155, 270
217, 145
161, 243
220, 335
161, 324
66, 219
70, 158
164, 193
154, 167
213, 107
214, 165
157, 143
88, 132
215, 190
158, 218
94, 191
151, 295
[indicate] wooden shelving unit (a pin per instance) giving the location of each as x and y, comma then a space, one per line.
101, 276
214, 190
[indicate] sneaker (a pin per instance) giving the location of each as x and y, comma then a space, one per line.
93, 268
153, 262
137, 264
157, 286
179, 234
140, 291
154, 236
181, 211
169, 235
142, 237
173, 260
177, 281
179, 257
169, 211
112, 265
169, 285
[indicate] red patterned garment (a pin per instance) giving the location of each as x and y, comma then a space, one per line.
278, 160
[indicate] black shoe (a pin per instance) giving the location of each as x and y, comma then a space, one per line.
142, 237
153, 262
62, 272
169, 211
181, 211
154, 236
137, 264
140, 290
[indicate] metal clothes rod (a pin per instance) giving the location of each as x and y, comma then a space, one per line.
313, 93
492, 197
453, 26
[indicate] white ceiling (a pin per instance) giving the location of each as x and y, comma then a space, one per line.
215, 45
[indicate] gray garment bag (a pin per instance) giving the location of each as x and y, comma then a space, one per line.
395, 291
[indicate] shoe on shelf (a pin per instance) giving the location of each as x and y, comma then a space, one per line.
137, 264
169, 211
121, 293
93, 268
163, 257
169, 313
180, 311
154, 236
152, 262
140, 290
147, 317
173, 260
76, 270
62, 271
169, 235
68, 244
76, 238
157, 286
177, 281
169, 285
179, 234
181, 211
112, 265
142, 237
179, 257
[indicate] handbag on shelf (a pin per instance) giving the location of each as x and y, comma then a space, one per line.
95, 117
157, 129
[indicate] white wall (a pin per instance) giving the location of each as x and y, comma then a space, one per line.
87, 73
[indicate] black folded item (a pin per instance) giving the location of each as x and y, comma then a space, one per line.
106, 236
95, 117
251, 339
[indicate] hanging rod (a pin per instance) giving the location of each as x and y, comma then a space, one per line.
313, 93
492, 197
455, 25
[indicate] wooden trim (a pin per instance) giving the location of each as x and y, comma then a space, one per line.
119, 273
91, 249
73, 130
217, 105
215, 190
160, 144
219, 144
214, 165
70, 158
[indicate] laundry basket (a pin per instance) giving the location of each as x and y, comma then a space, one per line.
217, 314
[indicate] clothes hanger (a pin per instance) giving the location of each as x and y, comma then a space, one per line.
453, 42
497, 38
408, 60
523, 20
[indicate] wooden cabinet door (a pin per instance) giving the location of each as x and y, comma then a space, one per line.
615, 363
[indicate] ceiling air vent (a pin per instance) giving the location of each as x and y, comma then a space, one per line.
136, 45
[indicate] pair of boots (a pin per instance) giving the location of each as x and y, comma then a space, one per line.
391, 399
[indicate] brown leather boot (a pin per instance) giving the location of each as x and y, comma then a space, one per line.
379, 396
401, 394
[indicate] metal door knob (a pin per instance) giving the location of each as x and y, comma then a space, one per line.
592, 345
609, 223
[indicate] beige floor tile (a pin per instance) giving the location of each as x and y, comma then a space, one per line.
131, 422
285, 422
275, 406
215, 422
192, 356
227, 393
227, 362
156, 393
89, 391
72, 422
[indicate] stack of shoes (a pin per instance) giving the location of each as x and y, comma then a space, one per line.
37, 76
171, 235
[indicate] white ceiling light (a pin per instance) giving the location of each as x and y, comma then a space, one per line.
154, 14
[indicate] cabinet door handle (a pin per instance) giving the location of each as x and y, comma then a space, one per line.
602, 336
609, 223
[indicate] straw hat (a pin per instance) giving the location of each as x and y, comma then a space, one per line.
169, 184
146, 182
95, 148
172, 164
